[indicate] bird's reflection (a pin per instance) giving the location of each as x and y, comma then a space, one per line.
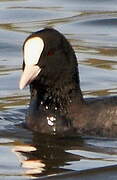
45, 154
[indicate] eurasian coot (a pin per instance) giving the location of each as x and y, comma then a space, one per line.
57, 105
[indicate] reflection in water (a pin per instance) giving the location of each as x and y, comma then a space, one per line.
13, 101
110, 65
103, 92
49, 155
31, 166
46, 154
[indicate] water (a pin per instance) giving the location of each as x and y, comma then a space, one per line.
90, 26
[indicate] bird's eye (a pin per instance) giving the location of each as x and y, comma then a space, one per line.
50, 53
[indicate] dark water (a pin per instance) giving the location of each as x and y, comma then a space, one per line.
91, 27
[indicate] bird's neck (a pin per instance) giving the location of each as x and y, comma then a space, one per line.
57, 105
55, 98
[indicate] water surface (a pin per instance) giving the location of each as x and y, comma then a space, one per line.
90, 26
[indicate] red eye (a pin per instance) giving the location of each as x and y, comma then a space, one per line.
50, 53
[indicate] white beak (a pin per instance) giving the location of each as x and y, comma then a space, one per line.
29, 74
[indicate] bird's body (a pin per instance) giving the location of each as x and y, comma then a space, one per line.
57, 104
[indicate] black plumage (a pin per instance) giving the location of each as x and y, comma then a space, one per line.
57, 104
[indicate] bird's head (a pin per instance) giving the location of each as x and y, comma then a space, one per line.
48, 56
